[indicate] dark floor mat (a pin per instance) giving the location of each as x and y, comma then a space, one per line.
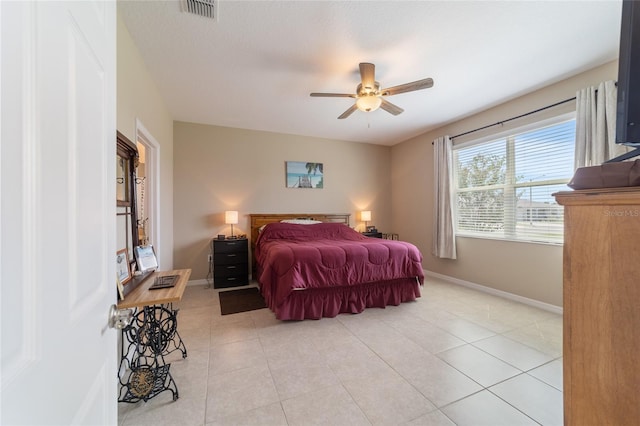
243, 300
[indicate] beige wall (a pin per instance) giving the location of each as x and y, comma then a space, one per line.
215, 169
221, 168
138, 99
529, 270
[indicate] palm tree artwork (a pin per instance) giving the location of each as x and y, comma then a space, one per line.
304, 175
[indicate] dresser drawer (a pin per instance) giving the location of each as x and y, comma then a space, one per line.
230, 281
235, 270
229, 258
230, 246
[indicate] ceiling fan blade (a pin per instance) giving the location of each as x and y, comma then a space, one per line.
408, 87
367, 74
333, 95
391, 108
348, 112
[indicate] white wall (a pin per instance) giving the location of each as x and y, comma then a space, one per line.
529, 270
138, 99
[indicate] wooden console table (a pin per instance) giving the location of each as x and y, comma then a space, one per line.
141, 296
601, 298
152, 335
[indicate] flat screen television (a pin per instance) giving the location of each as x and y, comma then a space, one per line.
628, 108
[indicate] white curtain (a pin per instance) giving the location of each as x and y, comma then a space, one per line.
444, 238
596, 125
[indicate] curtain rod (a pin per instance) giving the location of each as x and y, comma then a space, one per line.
499, 123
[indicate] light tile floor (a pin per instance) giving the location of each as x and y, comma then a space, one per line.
455, 356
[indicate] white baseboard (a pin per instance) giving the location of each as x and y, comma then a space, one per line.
198, 282
506, 295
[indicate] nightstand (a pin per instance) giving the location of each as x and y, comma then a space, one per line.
372, 234
230, 263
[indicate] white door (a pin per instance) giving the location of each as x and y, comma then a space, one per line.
57, 223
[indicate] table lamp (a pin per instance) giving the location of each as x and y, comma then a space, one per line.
365, 216
231, 218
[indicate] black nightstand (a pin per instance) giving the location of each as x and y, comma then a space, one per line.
372, 234
230, 263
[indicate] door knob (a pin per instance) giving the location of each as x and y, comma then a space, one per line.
119, 318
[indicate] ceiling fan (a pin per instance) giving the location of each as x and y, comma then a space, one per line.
368, 95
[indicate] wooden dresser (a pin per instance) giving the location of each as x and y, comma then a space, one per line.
601, 299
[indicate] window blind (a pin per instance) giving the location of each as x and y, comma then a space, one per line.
503, 186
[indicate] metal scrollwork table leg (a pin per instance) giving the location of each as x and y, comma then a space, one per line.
150, 337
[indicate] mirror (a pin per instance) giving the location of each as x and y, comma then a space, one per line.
126, 218
122, 179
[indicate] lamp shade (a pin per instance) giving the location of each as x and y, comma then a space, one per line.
368, 103
231, 217
365, 215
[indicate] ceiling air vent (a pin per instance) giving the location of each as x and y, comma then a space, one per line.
206, 8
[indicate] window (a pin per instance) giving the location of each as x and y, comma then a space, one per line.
503, 186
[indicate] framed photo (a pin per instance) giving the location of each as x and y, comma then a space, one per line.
120, 289
300, 174
146, 258
123, 272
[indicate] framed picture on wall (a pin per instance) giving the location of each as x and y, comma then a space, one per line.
300, 174
123, 271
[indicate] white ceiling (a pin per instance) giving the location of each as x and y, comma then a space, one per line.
255, 66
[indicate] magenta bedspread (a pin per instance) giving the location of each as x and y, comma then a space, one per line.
293, 257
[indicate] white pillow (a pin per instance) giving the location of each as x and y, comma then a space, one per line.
301, 221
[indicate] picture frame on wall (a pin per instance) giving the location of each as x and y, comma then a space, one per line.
123, 270
302, 174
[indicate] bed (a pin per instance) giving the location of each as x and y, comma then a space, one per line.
323, 268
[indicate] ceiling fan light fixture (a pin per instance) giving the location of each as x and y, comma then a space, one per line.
368, 102
369, 96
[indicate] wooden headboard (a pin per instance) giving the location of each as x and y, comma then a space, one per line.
260, 219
